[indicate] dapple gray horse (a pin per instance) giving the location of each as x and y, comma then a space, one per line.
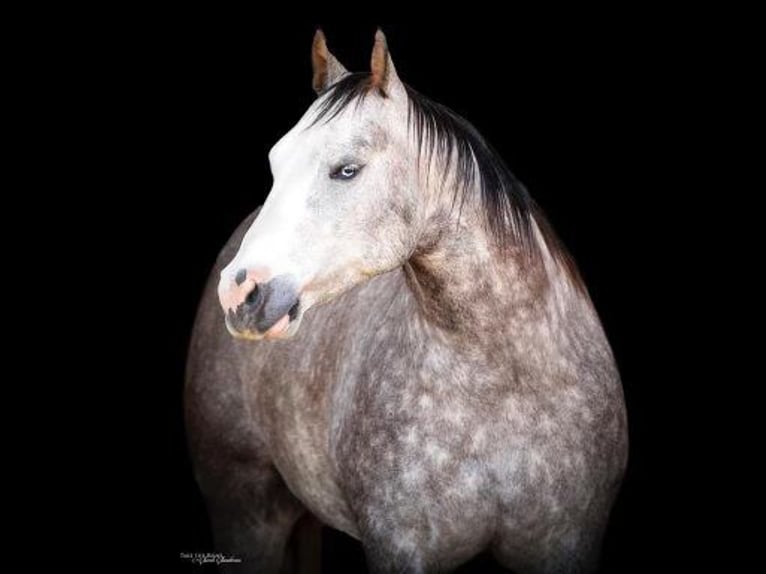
434, 379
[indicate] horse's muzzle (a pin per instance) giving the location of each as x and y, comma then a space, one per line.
266, 310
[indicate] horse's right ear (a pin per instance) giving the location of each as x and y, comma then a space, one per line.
327, 69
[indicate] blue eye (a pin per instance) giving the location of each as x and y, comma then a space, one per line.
345, 172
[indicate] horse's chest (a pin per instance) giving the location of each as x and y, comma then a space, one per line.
299, 428
379, 428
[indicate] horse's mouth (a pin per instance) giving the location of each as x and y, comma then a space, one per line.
287, 326
293, 312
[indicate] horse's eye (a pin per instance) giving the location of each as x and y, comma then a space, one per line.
347, 171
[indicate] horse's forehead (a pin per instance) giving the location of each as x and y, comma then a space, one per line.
300, 134
366, 126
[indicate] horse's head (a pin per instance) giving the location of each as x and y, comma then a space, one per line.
343, 206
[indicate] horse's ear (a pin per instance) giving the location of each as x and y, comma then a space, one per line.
327, 69
382, 72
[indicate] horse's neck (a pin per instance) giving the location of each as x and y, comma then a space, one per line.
473, 292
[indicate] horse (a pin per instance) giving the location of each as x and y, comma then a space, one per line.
406, 352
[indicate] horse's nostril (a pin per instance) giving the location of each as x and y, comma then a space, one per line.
252, 296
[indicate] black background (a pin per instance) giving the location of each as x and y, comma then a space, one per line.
181, 111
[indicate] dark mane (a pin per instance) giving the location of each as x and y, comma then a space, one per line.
443, 135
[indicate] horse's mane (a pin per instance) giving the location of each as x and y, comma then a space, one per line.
442, 134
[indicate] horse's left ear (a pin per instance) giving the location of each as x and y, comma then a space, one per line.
382, 72
327, 69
